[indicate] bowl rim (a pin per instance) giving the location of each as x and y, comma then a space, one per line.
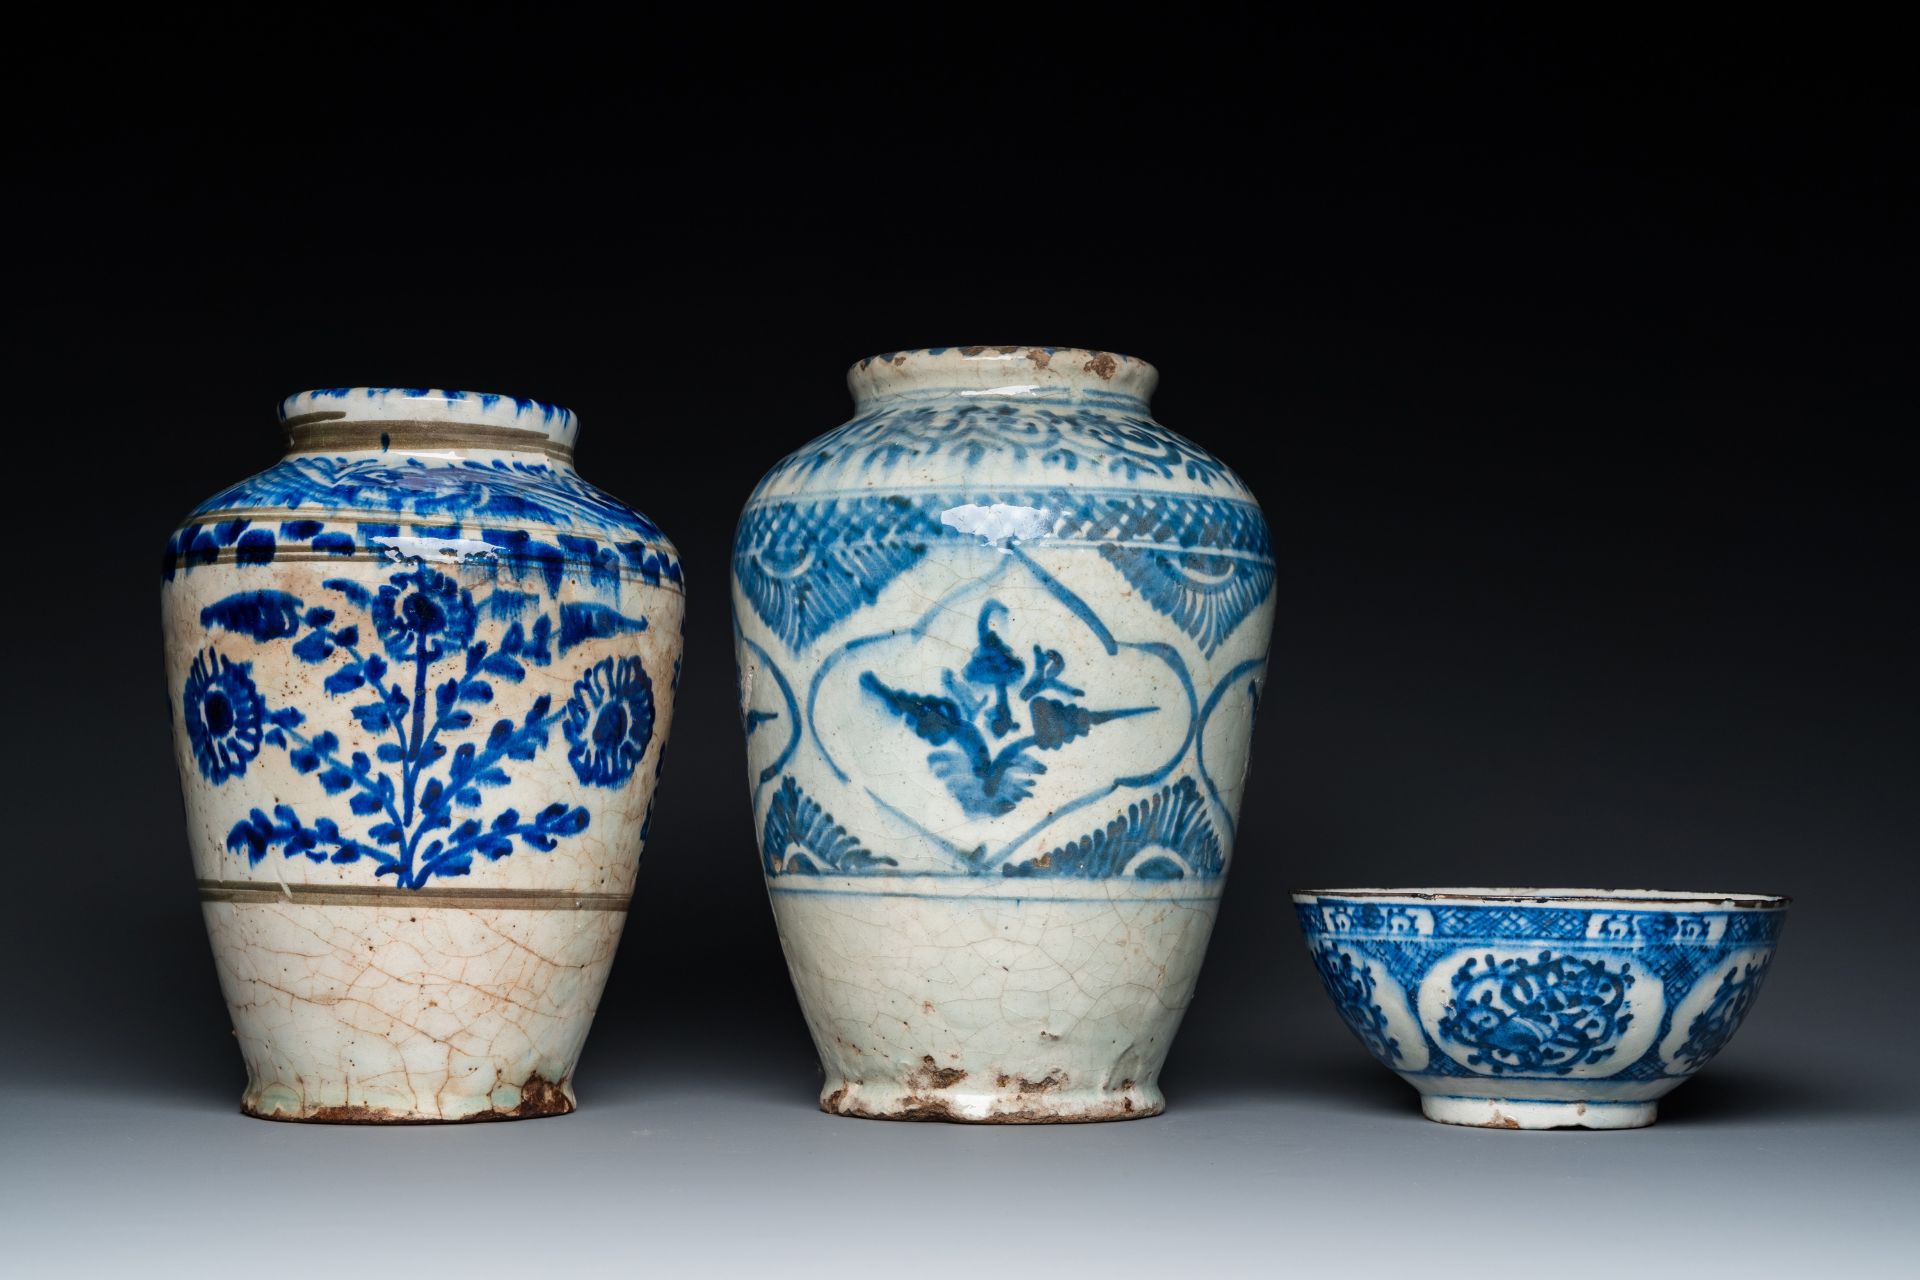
1610, 899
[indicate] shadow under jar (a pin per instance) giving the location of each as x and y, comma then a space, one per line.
1000, 638
421, 676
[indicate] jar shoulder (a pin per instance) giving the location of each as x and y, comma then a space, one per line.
484, 493
1007, 445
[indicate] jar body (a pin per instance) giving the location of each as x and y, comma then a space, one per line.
1000, 641
421, 675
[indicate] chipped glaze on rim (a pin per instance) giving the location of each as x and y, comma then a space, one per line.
428, 408
1477, 896
1020, 372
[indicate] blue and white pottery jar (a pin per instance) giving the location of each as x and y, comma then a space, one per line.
1000, 638
421, 675
1541, 1008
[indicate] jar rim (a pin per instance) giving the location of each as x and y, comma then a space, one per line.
1003, 371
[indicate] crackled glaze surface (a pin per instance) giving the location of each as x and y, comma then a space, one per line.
421, 676
1001, 637
1535, 1009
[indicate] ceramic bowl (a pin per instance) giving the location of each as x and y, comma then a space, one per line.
1541, 1008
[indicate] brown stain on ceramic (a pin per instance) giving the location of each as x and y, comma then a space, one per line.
1102, 364
1025, 1099
931, 1075
539, 1097
351, 1114
918, 1107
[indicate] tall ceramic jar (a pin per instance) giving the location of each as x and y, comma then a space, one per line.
1001, 639
421, 675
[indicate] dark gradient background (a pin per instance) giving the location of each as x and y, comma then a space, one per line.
1571, 364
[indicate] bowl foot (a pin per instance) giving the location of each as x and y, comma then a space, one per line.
1517, 1113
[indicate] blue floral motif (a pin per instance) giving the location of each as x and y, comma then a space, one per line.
969, 723
225, 716
515, 552
580, 623
1170, 828
1552, 1014
416, 820
1709, 1032
1081, 439
802, 839
494, 491
1352, 986
1139, 447
805, 566
367, 498
423, 611
609, 721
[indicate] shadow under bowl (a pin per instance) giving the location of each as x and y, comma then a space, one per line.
1541, 1008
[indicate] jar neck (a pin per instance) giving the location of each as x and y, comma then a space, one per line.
445, 425
404, 438
1045, 375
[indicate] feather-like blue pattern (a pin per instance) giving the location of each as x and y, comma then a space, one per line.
1172, 821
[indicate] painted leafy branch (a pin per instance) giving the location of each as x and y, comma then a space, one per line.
970, 723
418, 822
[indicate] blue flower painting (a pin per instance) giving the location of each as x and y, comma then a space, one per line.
609, 721
416, 803
983, 749
1353, 988
1710, 1030
422, 610
226, 719
1545, 1015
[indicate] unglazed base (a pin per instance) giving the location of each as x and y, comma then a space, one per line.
1053, 1006
530, 1101
1017, 1102
408, 1015
1514, 1113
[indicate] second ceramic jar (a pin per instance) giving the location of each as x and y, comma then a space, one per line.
1001, 639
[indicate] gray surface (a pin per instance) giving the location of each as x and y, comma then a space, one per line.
666, 1173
